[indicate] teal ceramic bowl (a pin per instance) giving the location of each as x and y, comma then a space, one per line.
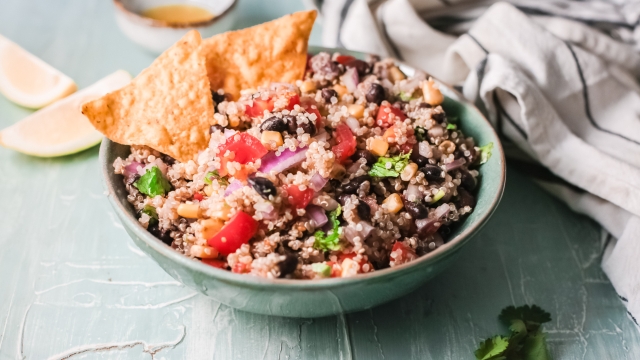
317, 298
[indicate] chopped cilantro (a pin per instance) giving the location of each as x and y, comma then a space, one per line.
321, 269
421, 133
438, 196
390, 167
208, 178
153, 214
452, 119
329, 241
485, 153
526, 342
452, 126
152, 183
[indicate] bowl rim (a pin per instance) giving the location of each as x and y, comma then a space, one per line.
444, 251
134, 16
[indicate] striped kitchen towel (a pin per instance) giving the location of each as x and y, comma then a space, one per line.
558, 79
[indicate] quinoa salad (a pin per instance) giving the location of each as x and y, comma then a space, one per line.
353, 169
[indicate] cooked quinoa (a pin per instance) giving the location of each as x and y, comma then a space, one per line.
353, 169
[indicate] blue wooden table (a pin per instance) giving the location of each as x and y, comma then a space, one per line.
73, 285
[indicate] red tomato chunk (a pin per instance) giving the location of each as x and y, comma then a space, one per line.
245, 147
220, 264
237, 231
259, 105
346, 143
389, 115
299, 198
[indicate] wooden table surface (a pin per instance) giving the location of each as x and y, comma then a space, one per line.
73, 285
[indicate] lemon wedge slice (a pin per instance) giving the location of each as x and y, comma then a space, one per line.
29, 81
61, 129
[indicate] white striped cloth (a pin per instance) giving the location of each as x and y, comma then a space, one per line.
558, 80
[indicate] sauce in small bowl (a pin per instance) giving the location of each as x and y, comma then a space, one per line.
155, 25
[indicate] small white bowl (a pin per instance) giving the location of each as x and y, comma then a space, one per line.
156, 35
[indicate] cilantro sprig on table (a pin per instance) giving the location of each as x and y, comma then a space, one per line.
395, 165
526, 342
330, 241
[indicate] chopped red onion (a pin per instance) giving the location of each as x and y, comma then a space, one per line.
409, 86
351, 231
413, 193
353, 124
455, 164
317, 214
235, 185
269, 213
229, 133
419, 75
431, 224
424, 149
317, 182
286, 160
131, 168
350, 79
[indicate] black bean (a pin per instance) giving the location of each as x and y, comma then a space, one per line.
334, 183
364, 211
292, 124
163, 235
217, 97
327, 94
464, 198
288, 265
263, 186
425, 105
444, 230
439, 117
168, 159
214, 128
375, 94
467, 180
352, 186
402, 105
364, 154
308, 127
416, 209
131, 178
342, 199
362, 67
417, 158
274, 123
432, 172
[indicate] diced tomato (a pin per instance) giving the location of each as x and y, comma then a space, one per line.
258, 107
198, 196
294, 99
401, 254
240, 268
245, 147
220, 264
346, 143
237, 231
335, 270
310, 106
299, 198
344, 59
389, 115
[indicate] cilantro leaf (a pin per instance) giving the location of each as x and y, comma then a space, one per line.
396, 165
485, 153
208, 178
406, 96
152, 213
532, 316
152, 183
452, 126
535, 347
321, 269
421, 133
492, 348
329, 241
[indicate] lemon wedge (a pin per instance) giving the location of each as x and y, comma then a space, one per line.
29, 81
61, 129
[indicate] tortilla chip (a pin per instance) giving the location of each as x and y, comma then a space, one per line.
275, 51
168, 107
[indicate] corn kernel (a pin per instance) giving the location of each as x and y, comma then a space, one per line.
190, 211
408, 172
447, 147
271, 139
393, 203
389, 134
203, 252
208, 190
210, 227
308, 86
356, 110
349, 268
431, 93
341, 90
234, 121
379, 147
396, 74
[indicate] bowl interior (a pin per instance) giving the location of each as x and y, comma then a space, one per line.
216, 7
490, 188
